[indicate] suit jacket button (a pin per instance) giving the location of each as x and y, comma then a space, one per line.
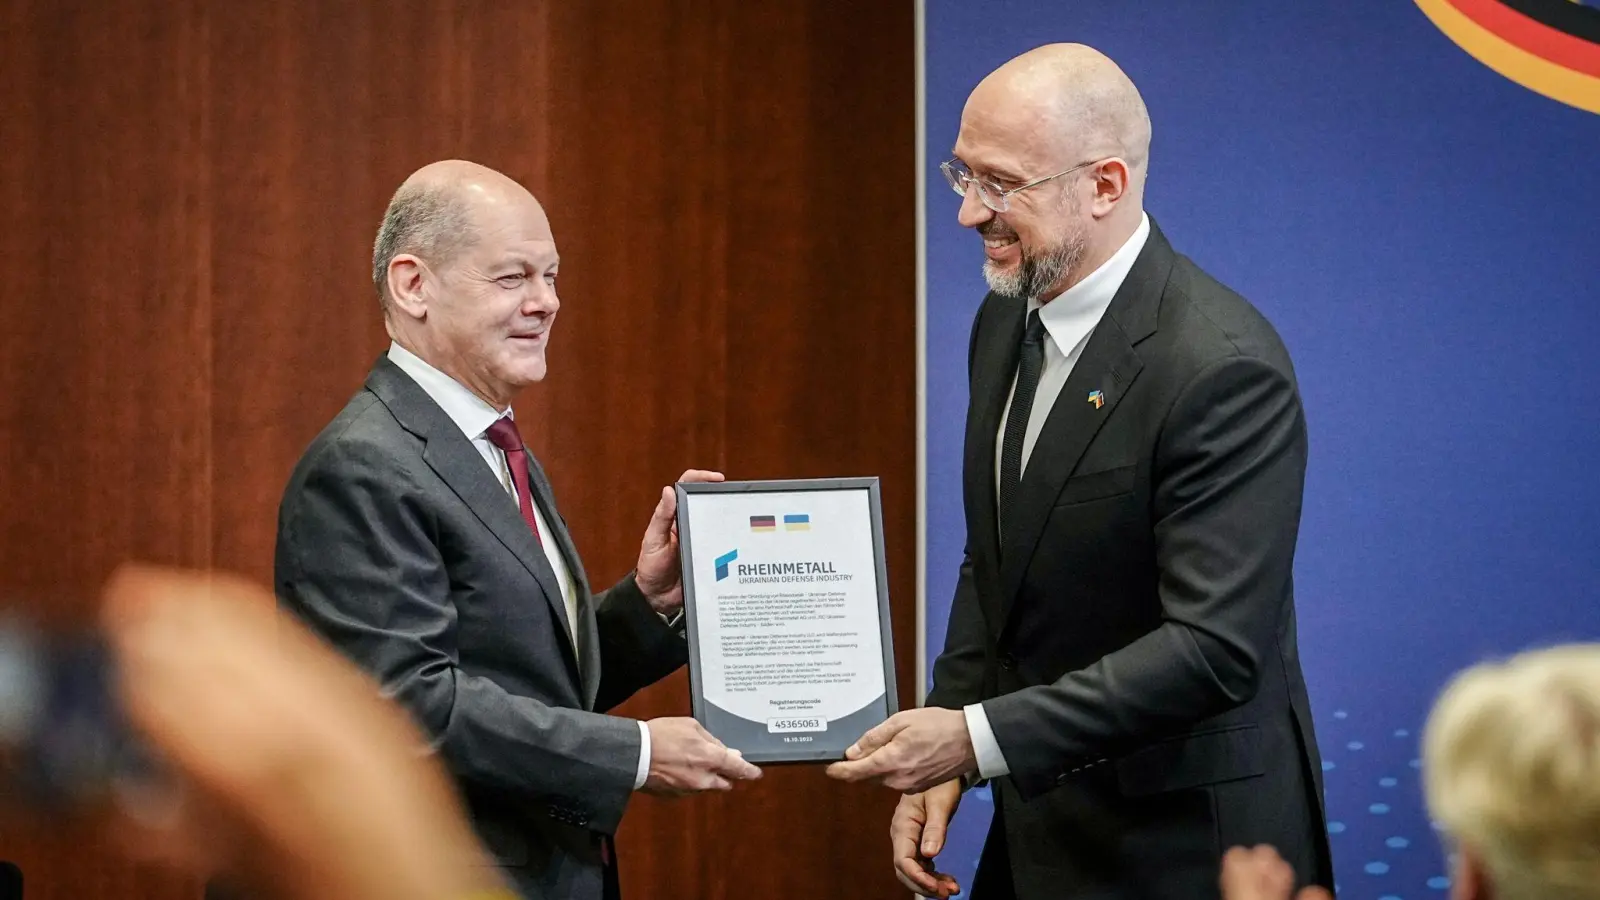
1008, 662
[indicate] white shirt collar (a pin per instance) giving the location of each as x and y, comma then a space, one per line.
1073, 314
469, 411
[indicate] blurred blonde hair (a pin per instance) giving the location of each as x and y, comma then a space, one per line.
1511, 763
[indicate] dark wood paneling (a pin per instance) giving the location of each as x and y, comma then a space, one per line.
192, 201
762, 197
105, 394
316, 119
754, 179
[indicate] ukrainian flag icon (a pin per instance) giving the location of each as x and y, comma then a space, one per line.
797, 522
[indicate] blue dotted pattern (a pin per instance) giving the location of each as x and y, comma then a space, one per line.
1384, 845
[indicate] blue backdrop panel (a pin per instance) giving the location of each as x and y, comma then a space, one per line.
1426, 236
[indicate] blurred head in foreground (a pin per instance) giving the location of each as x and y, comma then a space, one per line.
1511, 763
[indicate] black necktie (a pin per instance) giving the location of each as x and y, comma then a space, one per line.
1028, 369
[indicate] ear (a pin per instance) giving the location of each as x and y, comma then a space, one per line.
407, 279
1110, 178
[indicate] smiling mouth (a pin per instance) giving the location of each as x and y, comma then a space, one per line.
998, 248
996, 238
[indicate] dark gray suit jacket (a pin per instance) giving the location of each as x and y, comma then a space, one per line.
1132, 632
398, 544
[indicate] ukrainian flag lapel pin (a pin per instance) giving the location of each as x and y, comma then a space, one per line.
1097, 399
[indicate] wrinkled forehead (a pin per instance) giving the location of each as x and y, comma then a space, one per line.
1008, 139
514, 226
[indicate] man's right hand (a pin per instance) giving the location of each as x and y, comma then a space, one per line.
686, 759
917, 834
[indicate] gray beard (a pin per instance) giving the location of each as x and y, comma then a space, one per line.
1037, 272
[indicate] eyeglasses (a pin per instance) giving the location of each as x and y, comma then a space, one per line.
992, 194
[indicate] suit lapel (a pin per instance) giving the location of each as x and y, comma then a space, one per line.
1098, 382
994, 368
588, 638
451, 455
1108, 365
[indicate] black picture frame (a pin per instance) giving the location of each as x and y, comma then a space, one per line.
775, 750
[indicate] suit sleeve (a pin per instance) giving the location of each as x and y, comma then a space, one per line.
637, 648
358, 560
958, 672
1229, 470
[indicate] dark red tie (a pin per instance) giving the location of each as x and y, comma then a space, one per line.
503, 434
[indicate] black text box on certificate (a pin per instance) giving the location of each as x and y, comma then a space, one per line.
787, 600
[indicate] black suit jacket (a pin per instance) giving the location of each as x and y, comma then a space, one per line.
1132, 634
399, 544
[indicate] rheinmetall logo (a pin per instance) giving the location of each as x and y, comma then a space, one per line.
1548, 46
722, 562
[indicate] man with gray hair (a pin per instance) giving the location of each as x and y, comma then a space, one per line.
1121, 662
419, 536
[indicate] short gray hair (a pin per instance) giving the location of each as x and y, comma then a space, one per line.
427, 221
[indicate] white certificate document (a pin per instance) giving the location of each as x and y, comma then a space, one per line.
788, 614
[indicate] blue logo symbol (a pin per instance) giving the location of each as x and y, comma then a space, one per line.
722, 561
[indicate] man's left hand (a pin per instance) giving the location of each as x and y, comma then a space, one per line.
912, 751
657, 573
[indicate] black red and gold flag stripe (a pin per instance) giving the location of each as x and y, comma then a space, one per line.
1548, 46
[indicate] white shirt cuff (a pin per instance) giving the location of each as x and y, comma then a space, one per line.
643, 773
991, 762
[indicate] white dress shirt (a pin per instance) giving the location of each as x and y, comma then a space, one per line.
474, 416
1068, 320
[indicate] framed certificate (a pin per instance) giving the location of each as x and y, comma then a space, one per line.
787, 606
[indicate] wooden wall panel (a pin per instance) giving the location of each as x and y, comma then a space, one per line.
731, 188
105, 396
315, 122
759, 193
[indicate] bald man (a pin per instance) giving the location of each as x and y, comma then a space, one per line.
420, 537
1120, 662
